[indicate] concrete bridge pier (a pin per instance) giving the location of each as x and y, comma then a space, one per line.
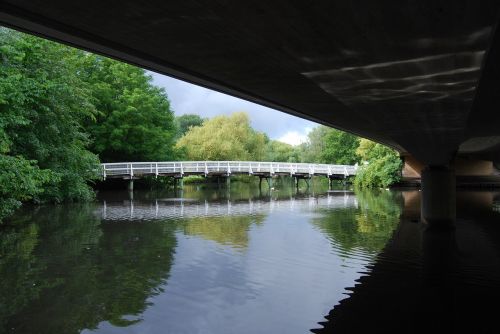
130, 185
438, 196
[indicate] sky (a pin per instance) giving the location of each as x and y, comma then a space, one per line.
186, 98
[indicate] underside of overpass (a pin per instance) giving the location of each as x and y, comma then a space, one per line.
420, 76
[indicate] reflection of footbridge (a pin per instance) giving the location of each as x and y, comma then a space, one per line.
183, 208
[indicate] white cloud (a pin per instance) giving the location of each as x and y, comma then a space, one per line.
293, 138
187, 98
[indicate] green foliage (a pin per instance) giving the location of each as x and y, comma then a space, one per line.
382, 168
134, 120
281, 152
43, 104
59, 107
332, 146
20, 180
185, 122
224, 138
340, 148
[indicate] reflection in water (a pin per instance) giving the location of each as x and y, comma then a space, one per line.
71, 273
366, 227
223, 230
427, 279
218, 262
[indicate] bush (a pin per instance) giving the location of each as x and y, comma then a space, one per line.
382, 168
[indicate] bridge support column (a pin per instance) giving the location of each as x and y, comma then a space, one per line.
130, 185
330, 183
438, 195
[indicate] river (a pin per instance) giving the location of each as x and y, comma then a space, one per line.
238, 260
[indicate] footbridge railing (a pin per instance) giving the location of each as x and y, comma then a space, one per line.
227, 168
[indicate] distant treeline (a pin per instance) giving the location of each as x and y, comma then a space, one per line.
63, 111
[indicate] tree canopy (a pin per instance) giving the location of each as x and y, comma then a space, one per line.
281, 152
43, 104
185, 122
224, 138
134, 121
61, 109
331, 146
382, 166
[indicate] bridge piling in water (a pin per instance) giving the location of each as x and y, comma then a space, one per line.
438, 196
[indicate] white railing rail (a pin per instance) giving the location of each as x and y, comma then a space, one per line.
181, 168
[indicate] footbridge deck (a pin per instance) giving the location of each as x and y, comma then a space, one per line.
178, 169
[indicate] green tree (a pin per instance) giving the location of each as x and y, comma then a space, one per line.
382, 165
281, 152
20, 180
185, 122
134, 120
340, 148
328, 145
311, 151
43, 104
224, 138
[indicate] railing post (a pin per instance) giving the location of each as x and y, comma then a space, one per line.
206, 169
156, 169
104, 171
131, 171
228, 168
218, 166
182, 169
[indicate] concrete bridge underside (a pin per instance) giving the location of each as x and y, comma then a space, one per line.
420, 76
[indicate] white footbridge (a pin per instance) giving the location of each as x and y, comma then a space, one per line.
179, 169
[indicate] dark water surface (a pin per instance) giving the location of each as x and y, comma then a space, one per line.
240, 261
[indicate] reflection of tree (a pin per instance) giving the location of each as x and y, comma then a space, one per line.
89, 272
369, 226
19, 270
225, 230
